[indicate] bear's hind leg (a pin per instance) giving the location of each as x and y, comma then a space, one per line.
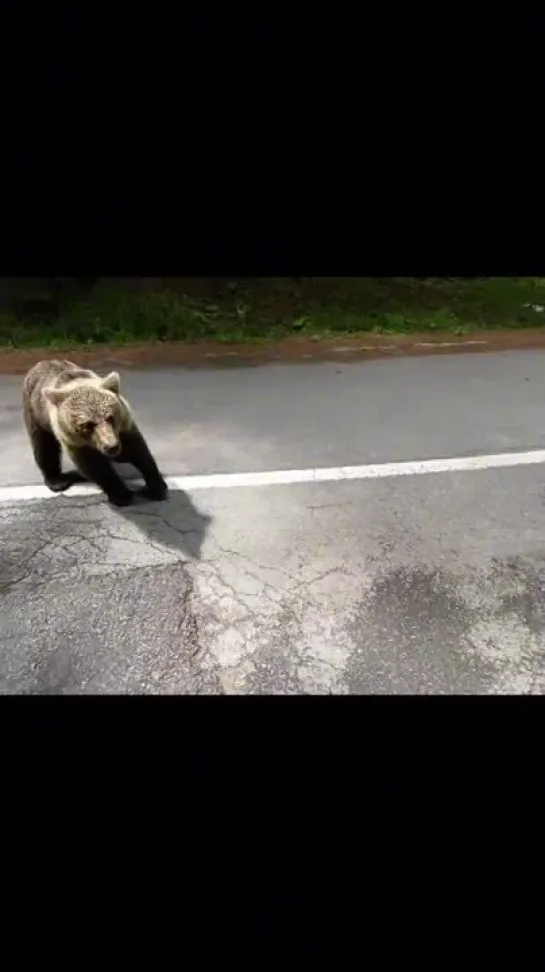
98, 469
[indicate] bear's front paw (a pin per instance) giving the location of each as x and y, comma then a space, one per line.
58, 485
121, 499
158, 490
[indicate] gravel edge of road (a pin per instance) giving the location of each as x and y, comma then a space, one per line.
291, 350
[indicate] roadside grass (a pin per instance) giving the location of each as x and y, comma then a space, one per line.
266, 309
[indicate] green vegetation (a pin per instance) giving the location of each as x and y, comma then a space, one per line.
267, 309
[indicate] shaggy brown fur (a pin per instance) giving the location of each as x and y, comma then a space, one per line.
72, 408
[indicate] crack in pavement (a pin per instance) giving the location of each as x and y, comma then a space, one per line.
223, 626
233, 621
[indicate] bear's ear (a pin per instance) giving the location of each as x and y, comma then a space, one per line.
112, 382
55, 395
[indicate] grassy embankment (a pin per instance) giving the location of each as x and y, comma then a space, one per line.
269, 309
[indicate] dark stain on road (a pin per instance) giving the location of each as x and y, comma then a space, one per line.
138, 637
417, 632
528, 601
408, 629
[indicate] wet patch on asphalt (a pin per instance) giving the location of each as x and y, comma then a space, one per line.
426, 631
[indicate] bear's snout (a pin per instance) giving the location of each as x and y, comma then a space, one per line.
106, 441
112, 450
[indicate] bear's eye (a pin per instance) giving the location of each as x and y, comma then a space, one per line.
87, 427
110, 419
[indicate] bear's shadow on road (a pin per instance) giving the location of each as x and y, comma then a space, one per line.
175, 523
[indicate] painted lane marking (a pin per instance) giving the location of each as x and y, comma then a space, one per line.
289, 477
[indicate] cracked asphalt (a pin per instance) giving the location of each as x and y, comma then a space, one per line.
421, 585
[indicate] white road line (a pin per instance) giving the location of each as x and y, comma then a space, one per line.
288, 477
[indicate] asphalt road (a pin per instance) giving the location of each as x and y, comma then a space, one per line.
418, 584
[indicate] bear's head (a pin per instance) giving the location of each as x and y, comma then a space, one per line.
90, 413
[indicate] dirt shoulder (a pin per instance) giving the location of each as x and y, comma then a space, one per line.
291, 350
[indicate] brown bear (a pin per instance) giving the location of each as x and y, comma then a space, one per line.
69, 407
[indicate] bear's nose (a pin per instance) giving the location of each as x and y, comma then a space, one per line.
112, 451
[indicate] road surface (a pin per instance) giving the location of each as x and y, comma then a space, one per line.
430, 582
